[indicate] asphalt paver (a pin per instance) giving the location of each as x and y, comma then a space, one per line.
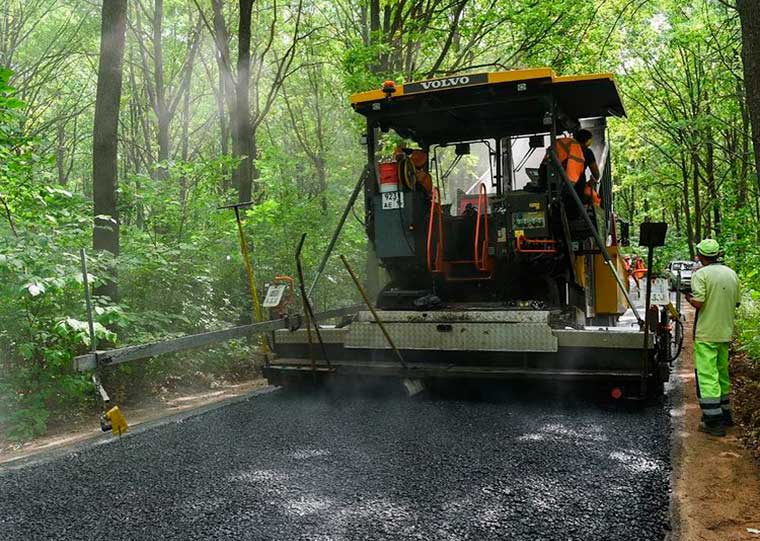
318, 467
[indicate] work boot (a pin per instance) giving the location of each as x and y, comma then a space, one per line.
713, 428
728, 419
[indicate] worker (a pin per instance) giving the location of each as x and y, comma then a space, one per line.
639, 270
628, 265
587, 189
570, 153
715, 295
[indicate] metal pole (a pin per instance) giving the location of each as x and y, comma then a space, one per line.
499, 166
374, 313
678, 292
304, 300
91, 327
251, 277
597, 238
308, 312
338, 229
644, 353
143, 351
88, 301
248, 268
372, 281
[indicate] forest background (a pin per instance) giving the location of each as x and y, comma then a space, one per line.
224, 101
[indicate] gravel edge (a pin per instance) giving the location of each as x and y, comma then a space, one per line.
106, 438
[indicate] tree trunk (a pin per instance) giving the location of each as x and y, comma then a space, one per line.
60, 154
686, 206
105, 133
224, 132
226, 81
374, 34
749, 15
744, 131
322, 182
712, 187
185, 143
677, 217
162, 110
243, 136
697, 199
632, 206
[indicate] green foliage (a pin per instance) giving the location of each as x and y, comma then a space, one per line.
748, 325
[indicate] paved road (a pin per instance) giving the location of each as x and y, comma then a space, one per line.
282, 466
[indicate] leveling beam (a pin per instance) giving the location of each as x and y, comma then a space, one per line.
92, 360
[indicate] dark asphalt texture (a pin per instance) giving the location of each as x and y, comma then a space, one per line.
319, 467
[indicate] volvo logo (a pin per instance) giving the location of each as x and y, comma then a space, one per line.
444, 83
448, 82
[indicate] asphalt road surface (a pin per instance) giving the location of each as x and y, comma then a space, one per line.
319, 467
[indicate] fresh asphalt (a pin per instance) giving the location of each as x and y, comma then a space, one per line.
530, 465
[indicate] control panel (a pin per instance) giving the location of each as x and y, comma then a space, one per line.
527, 213
528, 220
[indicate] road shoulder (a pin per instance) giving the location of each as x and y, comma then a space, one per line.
716, 482
141, 417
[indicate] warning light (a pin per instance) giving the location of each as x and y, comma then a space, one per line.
389, 87
616, 393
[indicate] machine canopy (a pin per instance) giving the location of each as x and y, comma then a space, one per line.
482, 105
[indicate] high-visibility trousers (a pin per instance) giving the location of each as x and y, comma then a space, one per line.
713, 383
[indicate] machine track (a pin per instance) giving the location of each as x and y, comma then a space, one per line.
288, 466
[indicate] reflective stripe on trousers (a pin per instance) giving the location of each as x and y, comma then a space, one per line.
725, 403
710, 407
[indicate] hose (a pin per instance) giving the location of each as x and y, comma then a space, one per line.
407, 173
679, 343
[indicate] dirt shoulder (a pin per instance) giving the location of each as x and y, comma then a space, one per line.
87, 426
716, 480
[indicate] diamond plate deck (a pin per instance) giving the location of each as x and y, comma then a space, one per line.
329, 336
454, 336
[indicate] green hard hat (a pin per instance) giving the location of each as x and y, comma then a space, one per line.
709, 248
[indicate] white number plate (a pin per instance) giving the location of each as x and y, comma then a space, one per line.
393, 200
660, 293
274, 296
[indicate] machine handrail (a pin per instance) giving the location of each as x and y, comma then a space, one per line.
435, 207
480, 255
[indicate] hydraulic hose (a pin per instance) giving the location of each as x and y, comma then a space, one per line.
679, 344
407, 173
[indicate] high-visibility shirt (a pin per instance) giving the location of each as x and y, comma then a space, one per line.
570, 155
717, 286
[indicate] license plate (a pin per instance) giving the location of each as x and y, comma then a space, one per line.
274, 296
660, 292
393, 200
